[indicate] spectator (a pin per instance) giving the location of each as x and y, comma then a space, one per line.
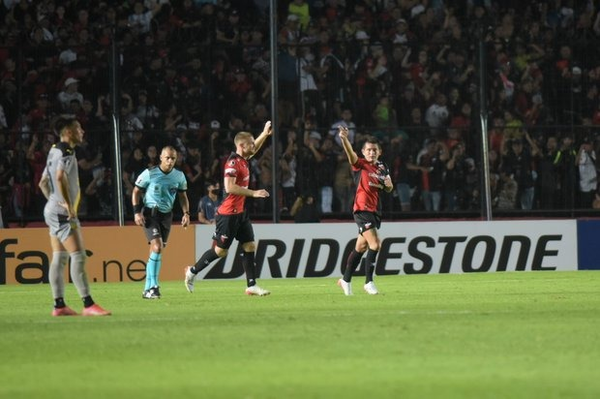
141, 19
432, 158
548, 175
588, 181
146, 112
288, 165
507, 195
192, 168
517, 162
326, 167
437, 114
69, 93
207, 207
455, 190
567, 172
345, 121
308, 160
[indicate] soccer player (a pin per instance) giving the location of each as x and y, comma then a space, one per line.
158, 186
60, 186
374, 177
232, 221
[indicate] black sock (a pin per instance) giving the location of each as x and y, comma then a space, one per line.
370, 265
249, 268
59, 303
88, 301
351, 264
204, 261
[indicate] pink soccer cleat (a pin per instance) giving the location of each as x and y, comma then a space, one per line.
95, 310
66, 311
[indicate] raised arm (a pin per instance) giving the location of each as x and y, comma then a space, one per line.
343, 133
260, 140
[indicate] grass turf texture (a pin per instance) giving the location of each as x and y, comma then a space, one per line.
501, 335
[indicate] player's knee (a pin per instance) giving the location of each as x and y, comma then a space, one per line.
375, 247
156, 247
361, 247
221, 252
77, 258
249, 247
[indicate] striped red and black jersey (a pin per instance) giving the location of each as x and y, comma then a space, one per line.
370, 183
237, 167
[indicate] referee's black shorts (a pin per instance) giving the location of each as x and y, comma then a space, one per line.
230, 227
157, 224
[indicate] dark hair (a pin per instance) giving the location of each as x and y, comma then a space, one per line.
372, 140
64, 122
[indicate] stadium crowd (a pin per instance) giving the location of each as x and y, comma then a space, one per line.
192, 73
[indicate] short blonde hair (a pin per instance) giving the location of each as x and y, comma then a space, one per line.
242, 136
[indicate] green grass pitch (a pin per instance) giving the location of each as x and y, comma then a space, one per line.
498, 335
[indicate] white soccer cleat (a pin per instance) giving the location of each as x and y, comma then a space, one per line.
256, 290
189, 279
371, 289
346, 287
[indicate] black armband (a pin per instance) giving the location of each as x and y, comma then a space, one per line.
137, 208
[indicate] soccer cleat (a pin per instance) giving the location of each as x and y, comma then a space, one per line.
95, 310
189, 279
371, 289
256, 290
152, 293
66, 311
346, 287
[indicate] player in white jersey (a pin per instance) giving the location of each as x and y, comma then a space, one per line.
159, 186
60, 186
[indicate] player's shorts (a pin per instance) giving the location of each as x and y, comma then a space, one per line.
58, 221
367, 221
230, 227
158, 224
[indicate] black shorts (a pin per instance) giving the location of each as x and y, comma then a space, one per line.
367, 221
230, 227
157, 224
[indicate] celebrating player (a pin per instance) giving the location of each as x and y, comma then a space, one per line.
60, 186
232, 221
374, 177
159, 185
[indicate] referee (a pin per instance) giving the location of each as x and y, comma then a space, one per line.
158, 186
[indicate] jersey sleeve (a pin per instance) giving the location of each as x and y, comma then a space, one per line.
143, 179
182, 184
359, 165
231, 168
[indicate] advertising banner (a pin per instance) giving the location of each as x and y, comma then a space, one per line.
113, 254
321, 250
306, 250
588, 234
